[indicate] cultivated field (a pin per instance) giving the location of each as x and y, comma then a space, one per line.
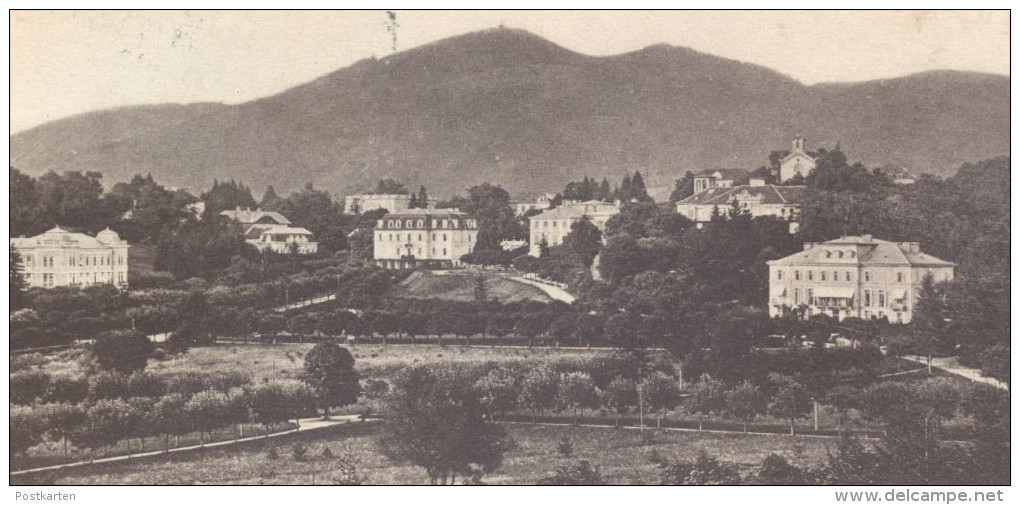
621, 455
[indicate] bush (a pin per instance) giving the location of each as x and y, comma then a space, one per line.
565, 447
27, 387
122, 351
705, 470
299, 450
776, 471
580, 473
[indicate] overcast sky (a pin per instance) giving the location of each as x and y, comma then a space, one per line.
65, 63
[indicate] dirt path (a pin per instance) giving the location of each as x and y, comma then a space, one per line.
310, 424
953, 366
554, 292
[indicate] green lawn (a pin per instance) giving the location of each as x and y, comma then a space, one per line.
621, 455
460, 286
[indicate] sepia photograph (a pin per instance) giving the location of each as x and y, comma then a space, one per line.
510, 248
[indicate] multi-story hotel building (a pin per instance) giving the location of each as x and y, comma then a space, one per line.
59, 257
554, 224
423, 238
757, 198
359, 204
853, 277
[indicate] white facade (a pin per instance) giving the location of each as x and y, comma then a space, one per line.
423, 238
62, 258
758, 199
541, 203
282, 239
858, 277
798, 162
553, 225
359, 204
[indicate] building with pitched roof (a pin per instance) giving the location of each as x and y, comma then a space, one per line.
859, 277
359, 204
248, 217
271, 231
554, 224
720, 178
423, 238
60, 257
541, 203
798, 162
898, 175
758, 198
281, 238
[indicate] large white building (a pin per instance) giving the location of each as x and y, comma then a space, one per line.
553, 225
60, 257
359, 204
859, 277
758, 198
267, 230
423, 238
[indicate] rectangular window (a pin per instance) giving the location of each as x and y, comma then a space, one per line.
835, 276
899, 276
444, 251
881, 298
867, 276
810, 296
444, 239
796, 275
848, 276
796, 296
779, 274
810, 277
824, 277
867, 298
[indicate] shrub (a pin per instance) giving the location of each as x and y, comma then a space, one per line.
776, 471
704, 470
580, 473
565, 447
299, 450
122, 351
27, 387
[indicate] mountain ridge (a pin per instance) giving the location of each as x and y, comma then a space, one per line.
508, 107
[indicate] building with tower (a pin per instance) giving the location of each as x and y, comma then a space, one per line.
799, 162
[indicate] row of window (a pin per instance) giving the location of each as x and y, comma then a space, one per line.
48, 261
824, 276
410, 237
420, 223
882, 299
48, 279
400, 252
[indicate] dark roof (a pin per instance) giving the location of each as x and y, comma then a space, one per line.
769, 194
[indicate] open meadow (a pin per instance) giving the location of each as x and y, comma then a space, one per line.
622, 456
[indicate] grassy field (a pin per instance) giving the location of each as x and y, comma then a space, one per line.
461, 287
373, 361
622, 456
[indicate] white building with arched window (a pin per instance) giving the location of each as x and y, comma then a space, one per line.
60, 257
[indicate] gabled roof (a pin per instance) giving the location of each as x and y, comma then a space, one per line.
273, 229
576, 210
812, 155
246, 216
865, 251
734, 174
769, 194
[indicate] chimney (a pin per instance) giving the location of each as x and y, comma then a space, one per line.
238, 208
757, 182
809, 245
